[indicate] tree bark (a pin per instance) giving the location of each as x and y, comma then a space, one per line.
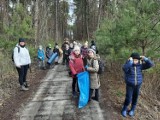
36, 21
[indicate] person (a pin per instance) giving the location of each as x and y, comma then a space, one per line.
133, 79
93, 46
49, 51
66, 55
41, 57
22, 61
84, 51
56, 50
92, 67
66, 42
76, 66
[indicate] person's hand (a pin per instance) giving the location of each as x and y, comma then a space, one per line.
86, 67
131, 59
142, 57
75, 75
18, 66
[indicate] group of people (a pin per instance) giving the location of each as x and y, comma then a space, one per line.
81, 58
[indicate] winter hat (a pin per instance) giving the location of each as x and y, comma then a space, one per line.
92, 51
49, 45
135, 56
40, 47
76, 48
21, 40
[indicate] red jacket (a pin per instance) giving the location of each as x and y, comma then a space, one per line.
76, 64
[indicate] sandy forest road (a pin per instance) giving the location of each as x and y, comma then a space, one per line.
53, 101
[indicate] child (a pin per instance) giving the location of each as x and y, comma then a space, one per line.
41, 57
66, 54
92, 68
49, 51
56, 50
133, 78
84, 51
76, 66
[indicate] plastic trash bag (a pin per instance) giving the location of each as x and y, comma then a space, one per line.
52, 58
83, 83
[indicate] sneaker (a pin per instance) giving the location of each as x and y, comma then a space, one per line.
23, 88
26, 85
124, 111
131, 113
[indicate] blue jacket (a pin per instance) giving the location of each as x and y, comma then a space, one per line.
41, 54
133, 73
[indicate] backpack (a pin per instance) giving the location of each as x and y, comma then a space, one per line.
101, 66
13, 53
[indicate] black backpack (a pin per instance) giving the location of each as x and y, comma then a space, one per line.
13, 53
101, 66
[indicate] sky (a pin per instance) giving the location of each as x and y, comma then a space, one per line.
71, 11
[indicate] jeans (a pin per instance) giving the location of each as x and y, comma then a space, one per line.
22, 72
132, 93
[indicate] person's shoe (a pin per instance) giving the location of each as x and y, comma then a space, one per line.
23, 88
131, 113
93, 98
26, 85
124, 111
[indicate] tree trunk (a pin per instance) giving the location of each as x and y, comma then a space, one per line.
36, 21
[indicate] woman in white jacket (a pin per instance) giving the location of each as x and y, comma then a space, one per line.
22, 60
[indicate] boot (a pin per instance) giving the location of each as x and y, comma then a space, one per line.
96, 99
23, 88
132, 111
124, 111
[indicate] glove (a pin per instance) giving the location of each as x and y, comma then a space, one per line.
75, 75
86, 67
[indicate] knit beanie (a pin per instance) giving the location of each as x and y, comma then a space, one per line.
135, 56
92, 51
21, 40
76, 48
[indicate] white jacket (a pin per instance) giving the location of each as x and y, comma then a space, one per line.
22, 57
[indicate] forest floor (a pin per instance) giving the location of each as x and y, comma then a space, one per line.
112, 93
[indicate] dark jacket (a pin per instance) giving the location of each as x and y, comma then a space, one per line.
133, 72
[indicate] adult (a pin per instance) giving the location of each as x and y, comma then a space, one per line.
22, 61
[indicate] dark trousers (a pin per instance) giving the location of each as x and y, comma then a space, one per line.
66, 59
96, 93
74, 85
132, 93
22, 72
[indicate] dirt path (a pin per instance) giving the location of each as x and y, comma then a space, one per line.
53, 101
